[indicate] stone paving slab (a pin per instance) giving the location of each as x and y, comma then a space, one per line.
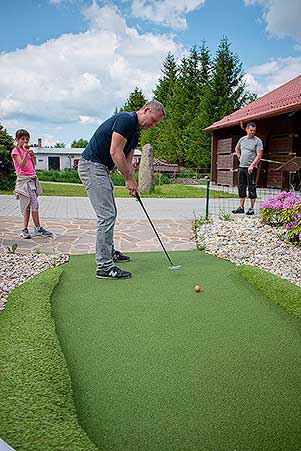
128, 208
72, 221
77, 236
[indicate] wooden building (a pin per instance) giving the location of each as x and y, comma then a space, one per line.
277, 116
164, 167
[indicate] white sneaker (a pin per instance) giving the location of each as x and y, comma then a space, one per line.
25, 234
40, 231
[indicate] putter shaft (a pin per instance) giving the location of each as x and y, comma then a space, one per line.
157, 235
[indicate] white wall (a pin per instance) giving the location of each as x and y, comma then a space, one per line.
42, 161
65, 162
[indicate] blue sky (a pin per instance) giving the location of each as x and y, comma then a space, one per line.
66, 64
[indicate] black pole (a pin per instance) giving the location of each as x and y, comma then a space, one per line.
150, 221
207, 200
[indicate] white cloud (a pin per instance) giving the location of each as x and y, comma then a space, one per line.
88, 120
298, 47
80, 79
266, 77
166, 12
282, 17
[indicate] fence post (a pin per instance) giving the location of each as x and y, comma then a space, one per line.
207, 199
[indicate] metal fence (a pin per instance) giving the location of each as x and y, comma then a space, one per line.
221, 200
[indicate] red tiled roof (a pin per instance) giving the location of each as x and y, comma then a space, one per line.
283, 99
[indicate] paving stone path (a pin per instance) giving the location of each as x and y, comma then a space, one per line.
70, 220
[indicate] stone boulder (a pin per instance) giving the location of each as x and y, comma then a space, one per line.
146, 179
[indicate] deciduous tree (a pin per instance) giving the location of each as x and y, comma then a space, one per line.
81, 143
7, 172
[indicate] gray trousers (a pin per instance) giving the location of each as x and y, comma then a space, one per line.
96, 179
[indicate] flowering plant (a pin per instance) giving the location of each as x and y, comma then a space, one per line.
283, 210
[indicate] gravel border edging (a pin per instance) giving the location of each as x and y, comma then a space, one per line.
17, 268
245, 240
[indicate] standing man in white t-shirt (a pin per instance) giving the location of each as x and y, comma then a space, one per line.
249, 151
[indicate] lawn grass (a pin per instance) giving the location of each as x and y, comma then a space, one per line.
37, 410
156, 366
162, 191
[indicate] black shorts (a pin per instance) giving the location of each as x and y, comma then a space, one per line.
246, 180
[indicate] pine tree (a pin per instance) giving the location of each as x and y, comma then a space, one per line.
7, 173
193, 137
196, 93
206, 64
227, 91
224, 93
135, 101
183, 104
166, 84
162, 92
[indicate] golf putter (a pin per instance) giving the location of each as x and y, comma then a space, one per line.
172, 266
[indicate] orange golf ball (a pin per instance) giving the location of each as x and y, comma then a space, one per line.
197, 288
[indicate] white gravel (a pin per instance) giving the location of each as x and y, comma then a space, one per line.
244, 240
17, 268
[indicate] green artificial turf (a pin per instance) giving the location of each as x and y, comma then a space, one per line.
37, 411
277, 290
156, 366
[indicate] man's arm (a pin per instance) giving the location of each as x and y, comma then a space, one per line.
116, 150
129, 159
259, 154
238, 151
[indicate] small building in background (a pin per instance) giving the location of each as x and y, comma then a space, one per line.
47, 158
164, 167
136, 158
277, 116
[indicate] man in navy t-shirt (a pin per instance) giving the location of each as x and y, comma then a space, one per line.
113, 145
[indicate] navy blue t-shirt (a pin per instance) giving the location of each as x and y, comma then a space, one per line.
98, 149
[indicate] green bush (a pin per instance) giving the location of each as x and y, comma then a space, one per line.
187, 173
7, 171
117, 179
71, 176
161, 179
67, 175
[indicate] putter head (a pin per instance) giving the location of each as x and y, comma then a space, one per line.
174, 268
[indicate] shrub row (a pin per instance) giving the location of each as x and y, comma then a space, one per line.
71, 176
68, 175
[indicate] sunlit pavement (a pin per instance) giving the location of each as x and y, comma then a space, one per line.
70, 220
